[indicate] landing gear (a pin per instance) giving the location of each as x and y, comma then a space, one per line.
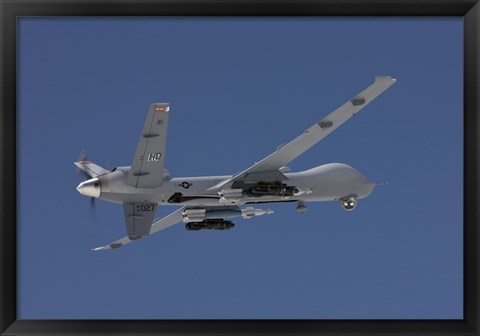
301, 207
349, 202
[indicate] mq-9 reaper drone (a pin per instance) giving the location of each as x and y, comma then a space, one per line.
210, 202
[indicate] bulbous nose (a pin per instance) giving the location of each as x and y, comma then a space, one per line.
90, 188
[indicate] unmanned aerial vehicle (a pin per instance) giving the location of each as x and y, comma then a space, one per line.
210, 202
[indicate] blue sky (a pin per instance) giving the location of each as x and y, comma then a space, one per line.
238, 88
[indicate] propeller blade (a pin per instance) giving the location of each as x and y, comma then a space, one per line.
93, 213
82, 157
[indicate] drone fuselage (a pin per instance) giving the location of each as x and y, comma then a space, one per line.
327, 182
208, 202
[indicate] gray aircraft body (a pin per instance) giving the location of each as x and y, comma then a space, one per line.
210, 202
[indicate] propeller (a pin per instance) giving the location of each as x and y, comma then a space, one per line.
93, 212
82, 157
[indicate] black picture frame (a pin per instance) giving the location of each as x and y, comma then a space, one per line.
10, 10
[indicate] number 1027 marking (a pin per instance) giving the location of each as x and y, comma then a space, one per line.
144, 207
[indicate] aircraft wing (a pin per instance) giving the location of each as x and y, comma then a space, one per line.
147, 167
268, 167
160, 224
139, 218
90, 168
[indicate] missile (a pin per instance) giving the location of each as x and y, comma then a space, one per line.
198, 215
250, 212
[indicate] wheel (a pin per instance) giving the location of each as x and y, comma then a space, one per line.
349, 203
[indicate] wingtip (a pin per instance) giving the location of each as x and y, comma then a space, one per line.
100, 248
389, 78
111, 246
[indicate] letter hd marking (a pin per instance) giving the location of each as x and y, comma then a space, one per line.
154, 156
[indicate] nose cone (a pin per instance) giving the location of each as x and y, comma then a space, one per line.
369, 188
90, 188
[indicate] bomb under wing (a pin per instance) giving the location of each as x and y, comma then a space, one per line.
214, 218
198, 215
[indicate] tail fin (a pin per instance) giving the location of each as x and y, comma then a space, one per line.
90, 168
